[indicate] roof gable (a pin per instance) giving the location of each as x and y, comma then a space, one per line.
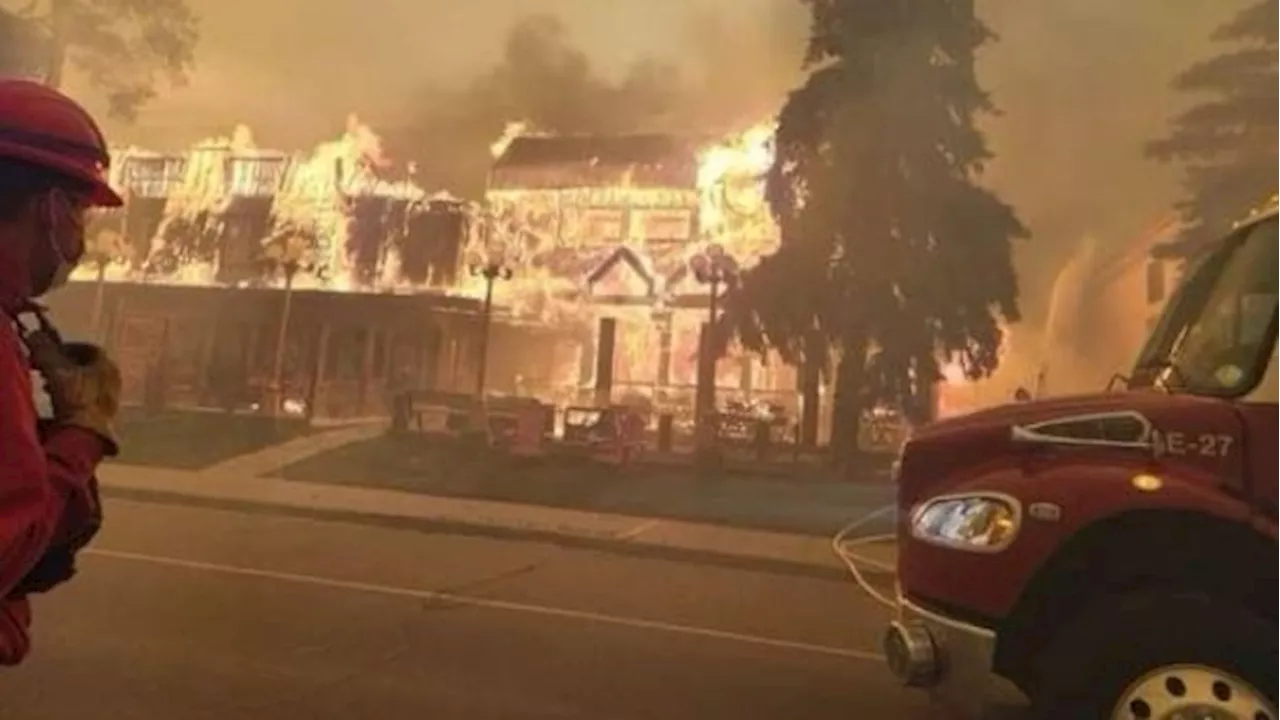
622, 275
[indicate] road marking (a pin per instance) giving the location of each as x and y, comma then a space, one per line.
490, 604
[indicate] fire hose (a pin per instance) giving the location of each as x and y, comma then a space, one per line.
843, 546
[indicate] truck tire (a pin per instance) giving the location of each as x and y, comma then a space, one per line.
1145, 655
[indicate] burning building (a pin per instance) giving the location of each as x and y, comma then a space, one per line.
235, 275
613, 228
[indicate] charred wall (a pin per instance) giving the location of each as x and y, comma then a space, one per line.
215, 347
431, 245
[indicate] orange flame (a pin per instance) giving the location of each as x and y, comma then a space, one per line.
308, 197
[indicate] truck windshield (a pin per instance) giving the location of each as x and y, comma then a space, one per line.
1218, 332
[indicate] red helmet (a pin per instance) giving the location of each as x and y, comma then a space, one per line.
46, 128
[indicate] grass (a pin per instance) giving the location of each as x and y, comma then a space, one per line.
193, 440
415, 464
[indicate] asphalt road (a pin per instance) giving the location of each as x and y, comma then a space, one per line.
194, 613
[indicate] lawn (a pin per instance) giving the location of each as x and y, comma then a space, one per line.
193, 440
807, 504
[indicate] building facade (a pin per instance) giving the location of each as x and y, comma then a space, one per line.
242, 278
340, 354
610, 228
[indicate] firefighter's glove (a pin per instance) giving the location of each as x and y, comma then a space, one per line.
84, 390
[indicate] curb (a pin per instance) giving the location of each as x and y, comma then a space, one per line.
628, 545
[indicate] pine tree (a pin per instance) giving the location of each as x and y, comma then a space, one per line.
1226, 142
892, 254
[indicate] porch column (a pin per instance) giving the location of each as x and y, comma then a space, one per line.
319, 368
427, 362
587, 357
206, 357
250, 360
665, 341
604, 361
366, 371
447, 352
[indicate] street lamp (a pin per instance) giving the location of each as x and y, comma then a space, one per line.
105, 248
287, 257
492, 269
714, 268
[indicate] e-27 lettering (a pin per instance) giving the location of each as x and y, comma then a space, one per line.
1180, 443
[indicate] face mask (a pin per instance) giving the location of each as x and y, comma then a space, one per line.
61, 274
60, 221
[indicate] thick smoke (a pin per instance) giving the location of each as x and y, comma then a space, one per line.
1082, 85
734, 72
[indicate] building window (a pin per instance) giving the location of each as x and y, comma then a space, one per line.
1155, 281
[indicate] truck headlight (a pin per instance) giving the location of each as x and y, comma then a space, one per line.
975, 522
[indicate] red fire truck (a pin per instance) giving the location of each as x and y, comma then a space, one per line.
1111, 555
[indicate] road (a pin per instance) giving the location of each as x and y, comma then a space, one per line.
185, 612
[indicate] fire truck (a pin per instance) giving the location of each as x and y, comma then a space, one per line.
1111, 555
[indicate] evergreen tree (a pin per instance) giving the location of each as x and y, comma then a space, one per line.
1226, 142
892, 254
125, 47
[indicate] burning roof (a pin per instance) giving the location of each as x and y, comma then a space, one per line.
579, 213
596, 160
598, 150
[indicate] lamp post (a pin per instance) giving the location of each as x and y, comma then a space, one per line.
492, 269
714, 268
106, 247
286, 258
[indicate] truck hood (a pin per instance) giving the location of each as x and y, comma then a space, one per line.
953, 451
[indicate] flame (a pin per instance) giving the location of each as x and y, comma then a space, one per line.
731, 182
726, 200
310, 195
313, 196
722, 204
512, 131
310, 200
200, 195
953, 372
748, 154
957, 394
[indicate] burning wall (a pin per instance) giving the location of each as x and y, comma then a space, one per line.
607, 226
349, 221
562, 205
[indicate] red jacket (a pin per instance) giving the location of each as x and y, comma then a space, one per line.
37, 481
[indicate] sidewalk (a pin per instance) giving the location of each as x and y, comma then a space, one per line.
275, 457
810, 552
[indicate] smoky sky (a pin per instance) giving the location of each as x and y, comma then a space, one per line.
1081, 84
293, 69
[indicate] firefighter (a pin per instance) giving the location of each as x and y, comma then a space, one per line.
52, 164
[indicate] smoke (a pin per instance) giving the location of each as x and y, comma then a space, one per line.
19, 46
733, 71
1082, 85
